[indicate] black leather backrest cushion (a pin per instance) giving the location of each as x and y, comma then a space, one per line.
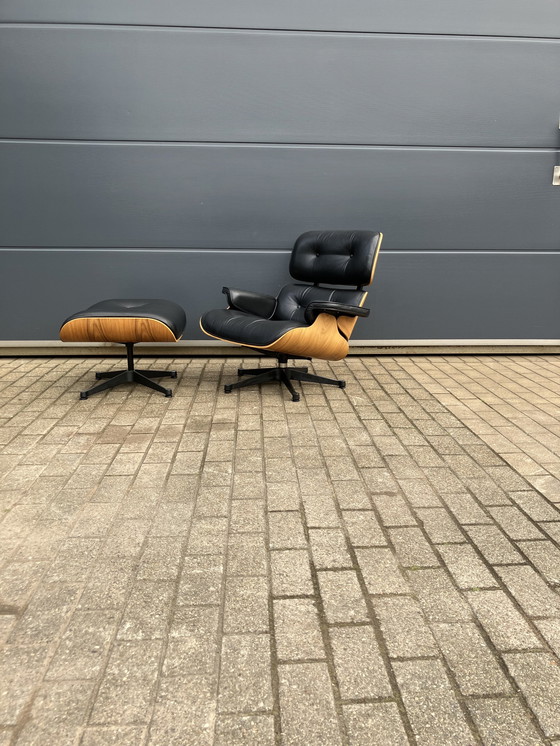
334, 257
294, 299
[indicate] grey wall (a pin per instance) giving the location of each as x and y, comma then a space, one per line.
167, 148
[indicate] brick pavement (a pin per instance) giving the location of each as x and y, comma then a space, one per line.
371, 566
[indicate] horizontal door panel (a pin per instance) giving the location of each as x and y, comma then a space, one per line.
498, 17
131, 195
424, 296
234, 86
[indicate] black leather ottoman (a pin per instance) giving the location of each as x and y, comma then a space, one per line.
127, 322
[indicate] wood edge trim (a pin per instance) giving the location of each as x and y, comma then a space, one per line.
377, 252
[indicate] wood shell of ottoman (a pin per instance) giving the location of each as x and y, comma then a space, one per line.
119, 320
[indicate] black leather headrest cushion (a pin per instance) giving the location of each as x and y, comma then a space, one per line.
335, 257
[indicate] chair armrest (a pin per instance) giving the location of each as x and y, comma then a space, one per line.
255, 303
334, 309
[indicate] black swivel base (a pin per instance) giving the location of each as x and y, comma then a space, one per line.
130, 375
281, 373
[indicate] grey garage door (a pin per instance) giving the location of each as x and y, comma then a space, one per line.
164, 149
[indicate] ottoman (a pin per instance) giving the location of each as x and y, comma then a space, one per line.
127, 322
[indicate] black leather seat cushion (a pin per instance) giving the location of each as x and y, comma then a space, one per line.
294, 299
165, 311
245, 328
248, 329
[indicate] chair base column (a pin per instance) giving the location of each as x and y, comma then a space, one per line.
281, 373
130, 375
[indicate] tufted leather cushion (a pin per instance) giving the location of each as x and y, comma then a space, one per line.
294, 299
244, 328
335, 257
170, 314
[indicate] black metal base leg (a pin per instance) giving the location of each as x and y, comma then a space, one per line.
300, 376
285, 378
130, 375
269, 374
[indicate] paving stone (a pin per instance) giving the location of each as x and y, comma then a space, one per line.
342, 597
550, 629
297, 631
245, 676
470, 659
208, 536
376, 724
467, 569
20, 670
147, 613
244, 730
328, 549
246, 605
18, 580
352, 495
161, 558
393, 510
419, 493
493, 545
125, 539
184, 713
83, 645
381, 572
487, 492
548, 486
57, 711
201, 580
359, 666
286, 531
546, 558
503, 722
108, 584
247, 554
538, 677
466, 510
431, 705
7, 622
320, 508
195, 622
363, 528
124, 736
291, 575
283, 496
503, 623
536, 507
438, 598
247, 515
307, 709
45, 614
440, 526
128, 684
404, 627
530, 590
412, 548
515, 524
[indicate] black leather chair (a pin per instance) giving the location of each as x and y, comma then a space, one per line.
304, 321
